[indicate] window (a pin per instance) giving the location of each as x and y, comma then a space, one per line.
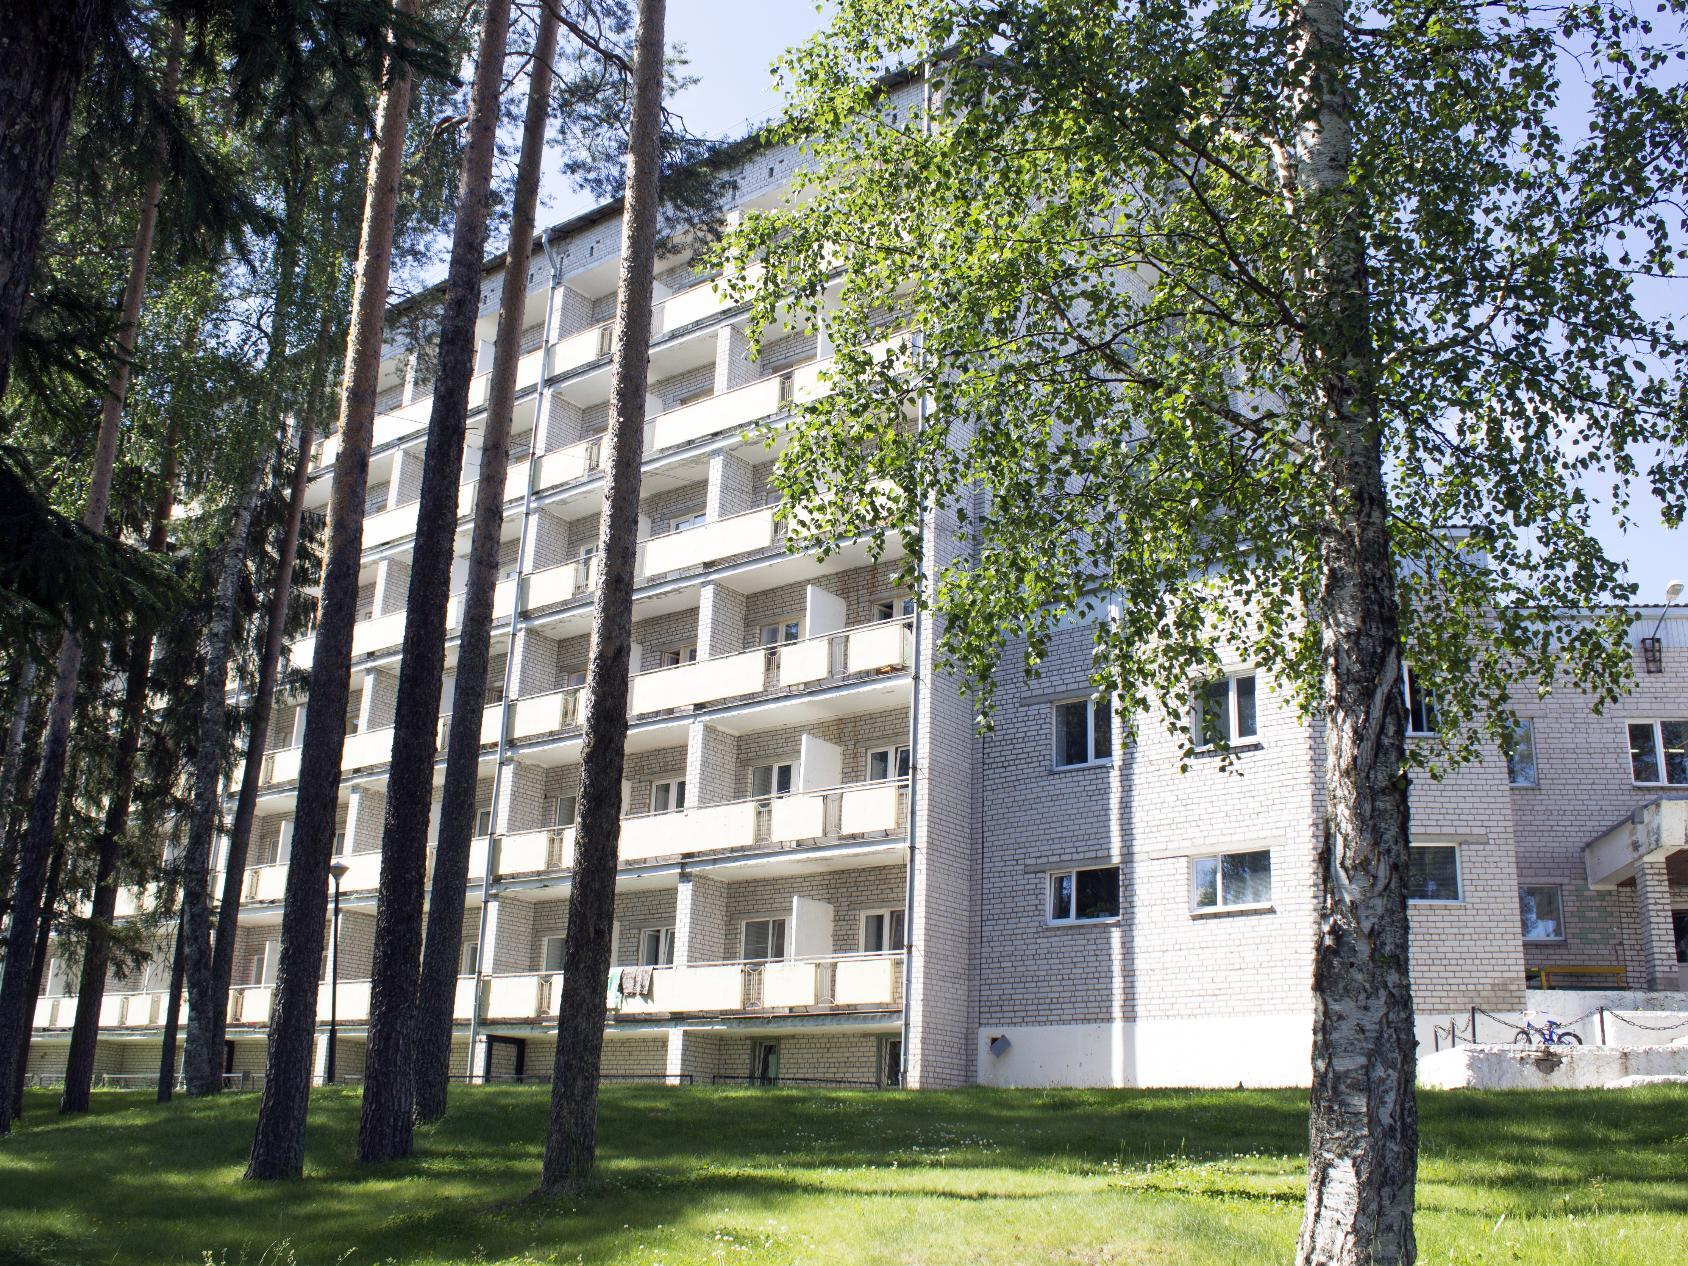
1658, 752
1227, 713
1679, 925
690, 521
882, 931
1433, 872
375, 498
467, 959
767, 781
893, 608
572, 680
483, 820
762, 939
1083, 732
764, 1063
551, 953
1076, 896
674, 656
1231, 881
340, 842
780, 631
559, 811
890, 1061
1421, 702
656, 947
1521, 760
668, 796
260, 966
1542, 913
887, 762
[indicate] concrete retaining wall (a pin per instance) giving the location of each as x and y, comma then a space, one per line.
1547, 1067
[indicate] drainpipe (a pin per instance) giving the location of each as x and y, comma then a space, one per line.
541, 410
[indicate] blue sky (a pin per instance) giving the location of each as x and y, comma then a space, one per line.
731, 47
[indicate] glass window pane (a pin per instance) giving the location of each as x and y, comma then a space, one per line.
761, 781
1215, 713
756, 939
1521, 761
1246, 878
878, 766
1643, 754
1246, 727
1071, 745
873, 934
1102, 728
782, 780
1204, 882
1674, 735
1679, 924
1433, 873
1538, 908
553, 953
680, 793
1098, 893
1061, 896
902, 762
776, 938
897, 922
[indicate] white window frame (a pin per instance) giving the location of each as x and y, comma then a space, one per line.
896, 607
676, 789
884, 913
1524, 738
781, 632
1221, 906
785, 937
1092, 760
677, 656
773, 768
1459, 874
1559, 897
664, 948
552, 814
483, 821
897, 763
545, 943
467, 958
1072, 918
1657, 724
689, 522
1233, 719
1427, 705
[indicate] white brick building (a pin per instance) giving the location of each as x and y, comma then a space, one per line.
1075, 909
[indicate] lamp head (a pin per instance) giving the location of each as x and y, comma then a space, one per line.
338, 868
1673, 591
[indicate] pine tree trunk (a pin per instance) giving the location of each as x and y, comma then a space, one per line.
17, 811
1363, 1143
278, 1146
15, 736
39, 953
202, 1059
275, 630
47, 49
172, 1021
572, 1140
385, 1126
437, 995
96, 954
16, 1004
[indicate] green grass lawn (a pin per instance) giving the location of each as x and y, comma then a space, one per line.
697, 1175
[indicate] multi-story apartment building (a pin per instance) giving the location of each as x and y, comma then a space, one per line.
830, 874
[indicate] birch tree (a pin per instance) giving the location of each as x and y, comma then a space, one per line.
1293, 333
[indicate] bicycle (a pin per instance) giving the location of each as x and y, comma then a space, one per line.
1549, 1033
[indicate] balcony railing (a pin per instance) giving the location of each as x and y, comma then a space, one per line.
854, 811
711, 542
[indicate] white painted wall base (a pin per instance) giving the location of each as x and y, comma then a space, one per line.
1256, 1050
1547, 1067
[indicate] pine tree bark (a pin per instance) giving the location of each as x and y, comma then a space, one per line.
202, 1062
572, 1140
441, 953
385, 1124
96, 954
39, 953
172, 1022
275, 630
16, 1003
47, 47
1363, 1144
278, 1146
16, 733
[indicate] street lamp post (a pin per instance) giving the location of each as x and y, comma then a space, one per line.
337, 871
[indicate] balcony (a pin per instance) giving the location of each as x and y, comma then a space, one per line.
830, 983
724, 538
734, 410
834, 814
